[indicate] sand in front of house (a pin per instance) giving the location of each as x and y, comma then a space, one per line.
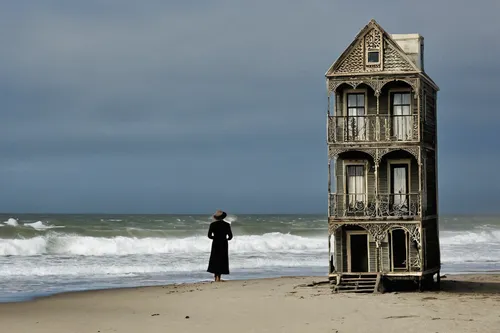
467, 303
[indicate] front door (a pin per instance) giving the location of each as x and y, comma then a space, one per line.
358, 252
399, 249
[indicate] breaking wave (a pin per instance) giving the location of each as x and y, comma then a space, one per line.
66, 244
491, 236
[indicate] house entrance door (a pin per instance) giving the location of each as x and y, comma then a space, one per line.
399, 249
358, 252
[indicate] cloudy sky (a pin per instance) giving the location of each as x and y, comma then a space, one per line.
186, 106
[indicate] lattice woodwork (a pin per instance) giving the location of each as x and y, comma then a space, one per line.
393, 60
385, 151
355, 61
375, 83
335, 152
376, 153
373, 41
378, 231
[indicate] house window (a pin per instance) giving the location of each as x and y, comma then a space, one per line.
356, 125
355, 186
373, 57
402, 119
399, 186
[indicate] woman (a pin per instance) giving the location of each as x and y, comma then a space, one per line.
220, 233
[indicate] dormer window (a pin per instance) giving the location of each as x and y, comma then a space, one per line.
373, 57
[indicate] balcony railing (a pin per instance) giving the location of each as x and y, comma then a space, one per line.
371, 128
369, 205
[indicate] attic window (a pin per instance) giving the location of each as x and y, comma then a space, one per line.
373, 57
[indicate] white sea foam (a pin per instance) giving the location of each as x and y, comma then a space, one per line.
122, 266
12, 222
231, 219
470, 237
65, 244
26, 247
41, 226
474, 245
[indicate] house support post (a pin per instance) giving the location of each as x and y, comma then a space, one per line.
377, 163
420, 212
329, 186
377, 123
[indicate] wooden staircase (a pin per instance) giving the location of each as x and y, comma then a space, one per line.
357, 283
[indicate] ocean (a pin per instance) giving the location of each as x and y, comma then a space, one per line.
47, 254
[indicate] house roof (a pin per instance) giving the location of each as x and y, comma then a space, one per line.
403, 60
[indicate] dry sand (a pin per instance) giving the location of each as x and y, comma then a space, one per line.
468, 303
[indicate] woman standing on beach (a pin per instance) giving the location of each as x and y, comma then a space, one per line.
220, 233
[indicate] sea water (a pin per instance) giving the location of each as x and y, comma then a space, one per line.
47, 254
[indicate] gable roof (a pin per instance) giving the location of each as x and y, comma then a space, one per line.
392, 57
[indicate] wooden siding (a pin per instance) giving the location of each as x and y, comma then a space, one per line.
429, 116
414, 254
340, 174
338, 105
431, 186
431, 245
338, 250
383, 185
372, 103
344, 250
373, 256
385, 257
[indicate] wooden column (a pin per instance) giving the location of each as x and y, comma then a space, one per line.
330, 260
420, 170
377, 121
377, 242
328, 108
376, 162
329, 186
420, 201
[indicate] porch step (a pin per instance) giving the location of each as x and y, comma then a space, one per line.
357, 283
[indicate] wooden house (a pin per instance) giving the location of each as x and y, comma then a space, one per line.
382, 153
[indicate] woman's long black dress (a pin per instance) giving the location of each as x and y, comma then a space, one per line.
220, 233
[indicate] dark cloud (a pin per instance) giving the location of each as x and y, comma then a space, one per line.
188, 105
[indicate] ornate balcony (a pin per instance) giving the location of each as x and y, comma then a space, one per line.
372, 128
384, 205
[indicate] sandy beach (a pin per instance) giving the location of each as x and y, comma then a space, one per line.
467, 303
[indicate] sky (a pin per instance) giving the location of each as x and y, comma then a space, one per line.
190, 106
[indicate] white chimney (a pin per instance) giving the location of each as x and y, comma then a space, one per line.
413, 46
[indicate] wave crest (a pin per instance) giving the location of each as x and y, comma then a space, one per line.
470, 237
65, 244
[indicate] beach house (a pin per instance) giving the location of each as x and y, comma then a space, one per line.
382, 162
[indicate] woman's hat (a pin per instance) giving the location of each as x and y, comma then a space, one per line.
219, 215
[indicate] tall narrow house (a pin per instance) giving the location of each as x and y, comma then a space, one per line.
382, 147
